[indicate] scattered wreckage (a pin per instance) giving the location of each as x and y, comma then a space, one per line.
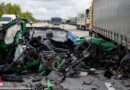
55, 54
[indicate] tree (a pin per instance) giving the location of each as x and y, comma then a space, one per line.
27, 15
2, 9
14, 9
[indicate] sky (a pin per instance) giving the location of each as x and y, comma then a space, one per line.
45, 9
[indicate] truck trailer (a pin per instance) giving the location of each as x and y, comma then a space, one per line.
110, 19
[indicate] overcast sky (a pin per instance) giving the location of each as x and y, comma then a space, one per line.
45, 9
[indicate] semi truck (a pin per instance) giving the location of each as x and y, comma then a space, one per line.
110, 20
56, 20
63, 21
83, 20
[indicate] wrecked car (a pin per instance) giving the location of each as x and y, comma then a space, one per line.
53, 52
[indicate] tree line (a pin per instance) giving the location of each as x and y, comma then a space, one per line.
14, 9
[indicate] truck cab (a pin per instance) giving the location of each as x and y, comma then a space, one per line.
56, 21
7, 18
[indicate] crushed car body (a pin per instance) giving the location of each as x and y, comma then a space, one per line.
34, 53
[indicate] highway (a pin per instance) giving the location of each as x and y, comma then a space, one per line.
76, 32
70, 28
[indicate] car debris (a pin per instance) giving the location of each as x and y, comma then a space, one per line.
12, 78
56, 55
87, 83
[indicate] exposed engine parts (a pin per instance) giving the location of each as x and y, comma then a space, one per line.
51, 53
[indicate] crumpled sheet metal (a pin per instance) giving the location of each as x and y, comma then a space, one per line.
58, 35
11, 32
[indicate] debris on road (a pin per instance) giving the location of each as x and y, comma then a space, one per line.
56, 55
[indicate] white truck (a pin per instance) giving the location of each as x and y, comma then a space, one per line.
6, 18
81, 21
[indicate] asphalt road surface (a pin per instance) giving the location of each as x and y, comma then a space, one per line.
70, 28
76, 32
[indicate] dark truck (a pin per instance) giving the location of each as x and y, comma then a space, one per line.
110, 19
56, 21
